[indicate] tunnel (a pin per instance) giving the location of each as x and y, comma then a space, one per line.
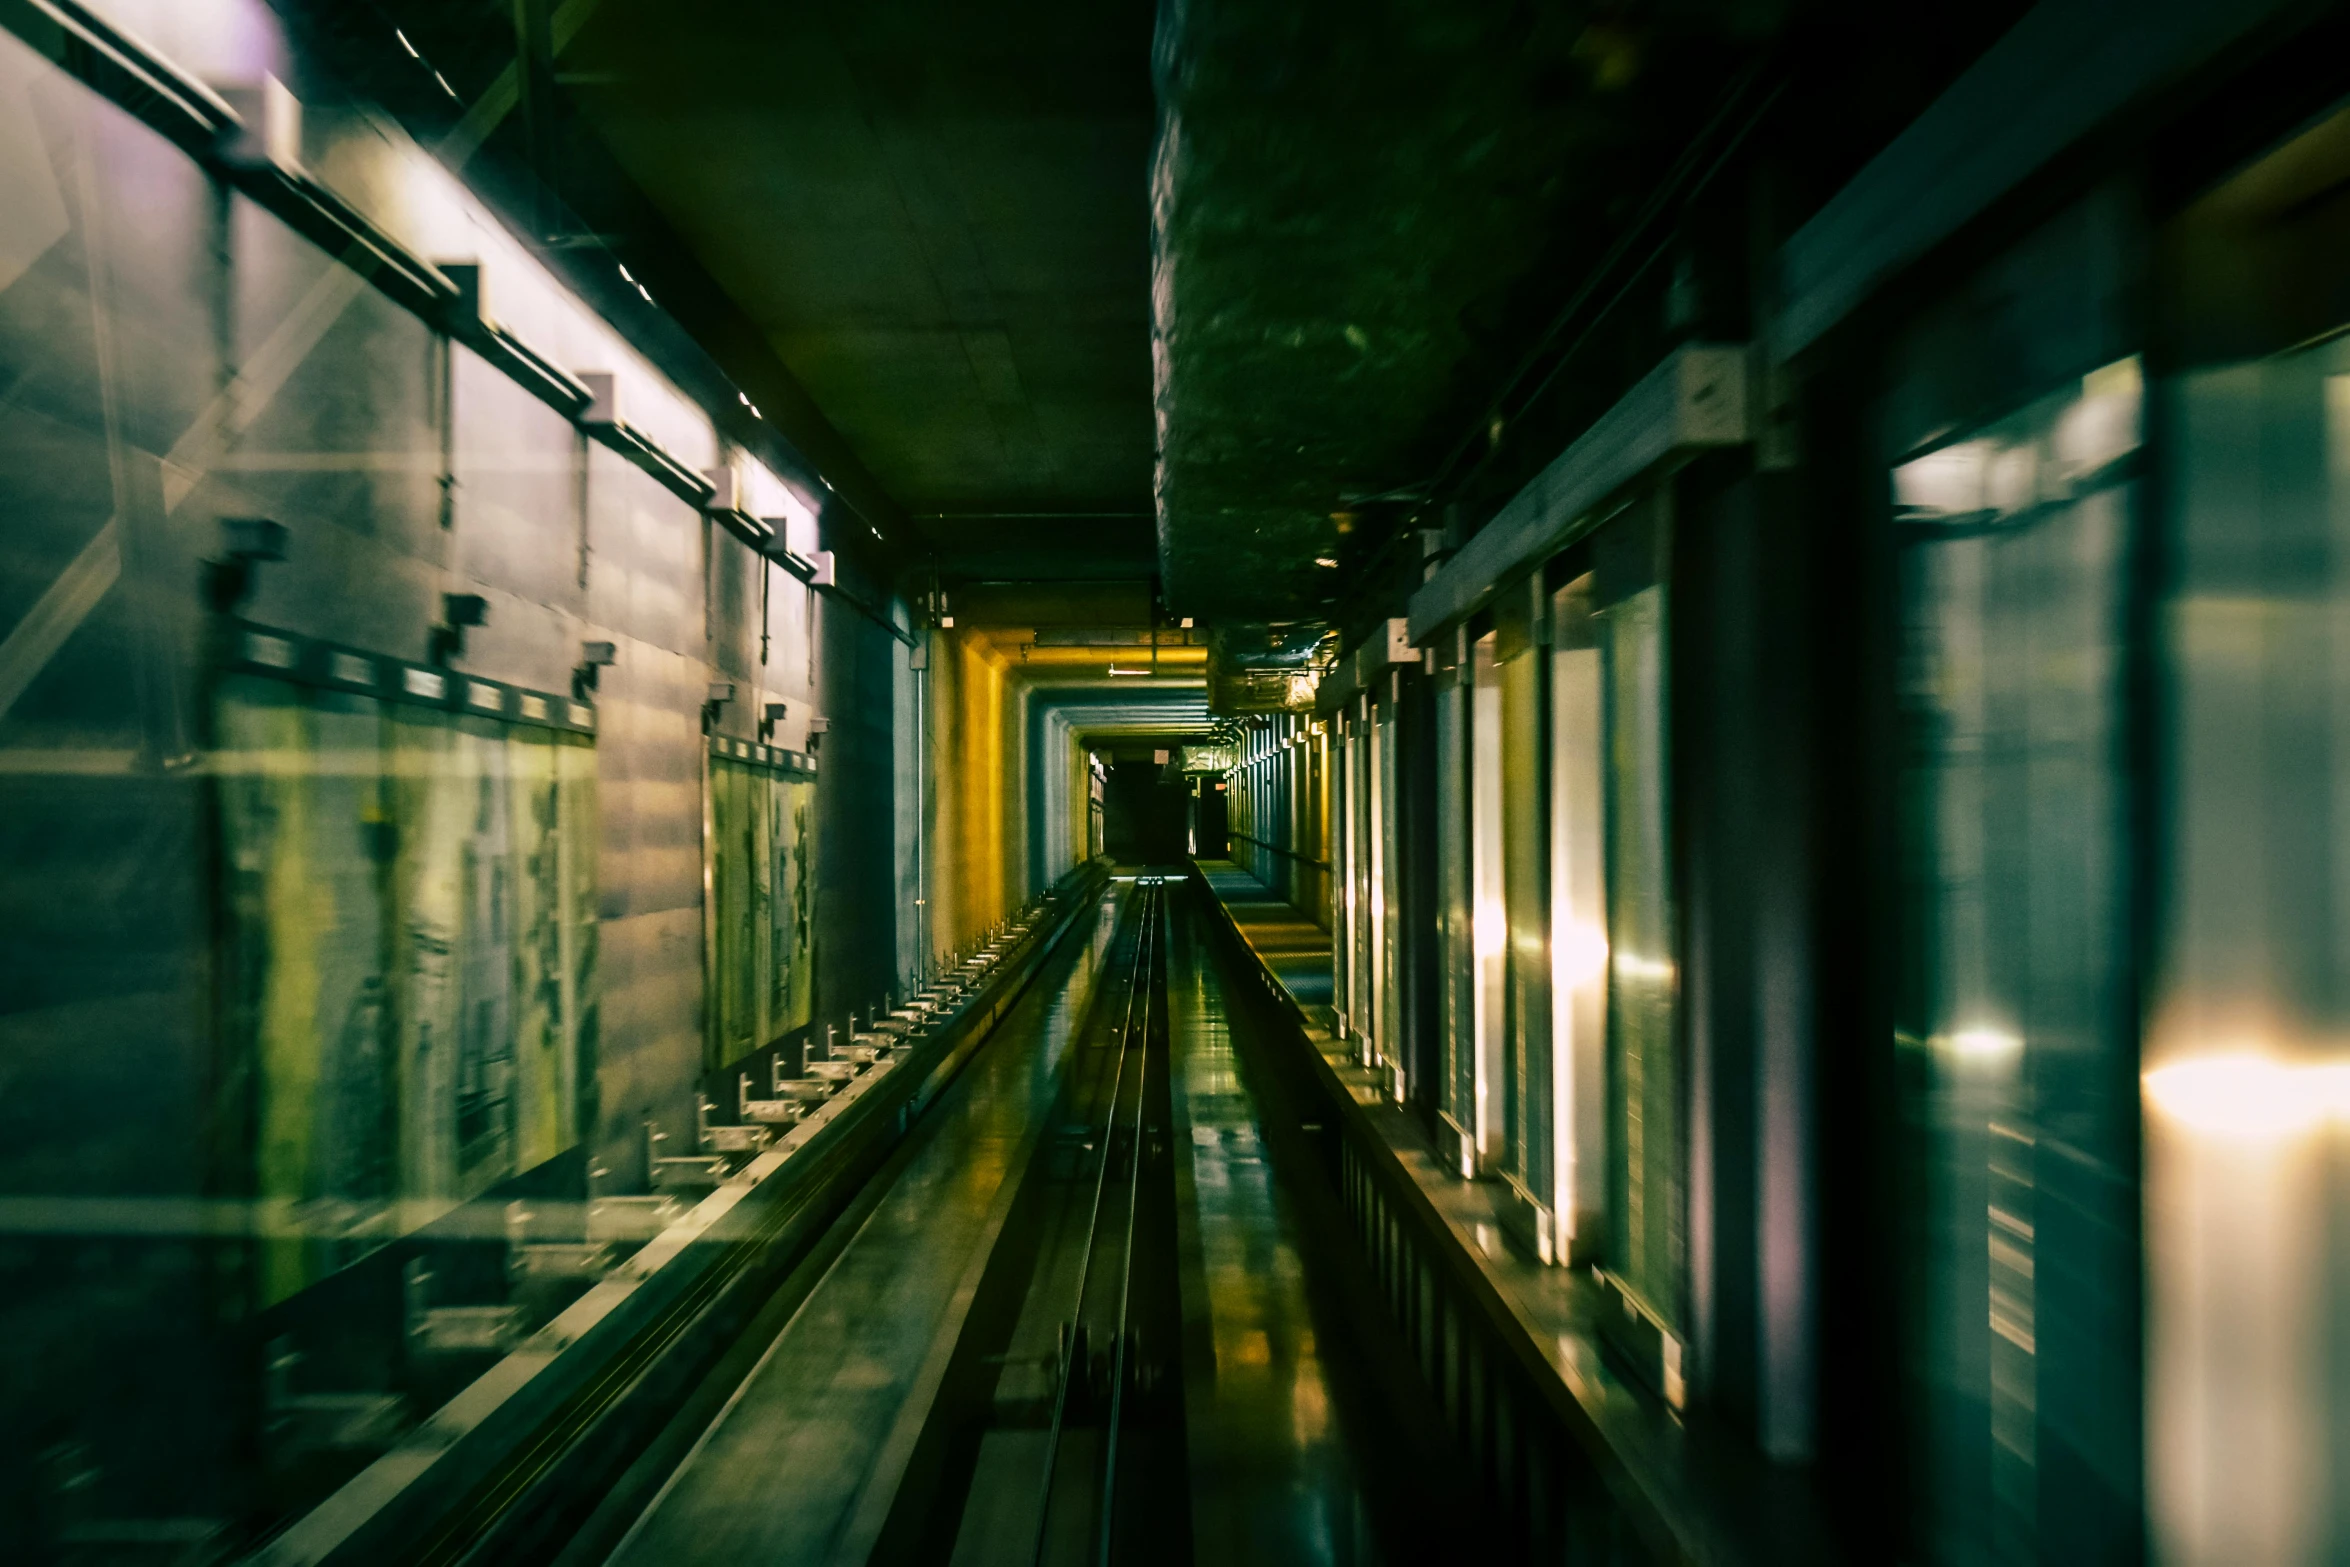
1019, 784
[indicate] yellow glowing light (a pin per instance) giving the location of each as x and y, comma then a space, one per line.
2250, 1096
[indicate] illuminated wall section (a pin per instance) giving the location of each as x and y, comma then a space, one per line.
972, 834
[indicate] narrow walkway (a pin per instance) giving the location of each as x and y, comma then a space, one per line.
1271, 1480
803, 1463
1688, 1477
1293, 947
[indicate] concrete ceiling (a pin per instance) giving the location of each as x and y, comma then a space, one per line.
1356, 226
935, 213
1402, 252
1229, 305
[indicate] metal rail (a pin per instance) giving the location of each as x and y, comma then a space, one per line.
1138, 992
1156, 915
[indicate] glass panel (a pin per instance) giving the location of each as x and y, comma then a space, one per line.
1389, 903
1647, 1197
1525, 876
1457, 960
1489, 918
2248, 1037
1578, 929
2014, 1047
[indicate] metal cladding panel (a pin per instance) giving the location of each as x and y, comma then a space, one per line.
651, 752
651, 971
336, 428
519, 493
644, 557
1696, 398
338, 415
735, 605
518, 524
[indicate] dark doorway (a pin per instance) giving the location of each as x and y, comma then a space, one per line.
1212, 825
1145, 814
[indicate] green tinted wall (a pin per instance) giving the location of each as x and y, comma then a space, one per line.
761, 853
411, 928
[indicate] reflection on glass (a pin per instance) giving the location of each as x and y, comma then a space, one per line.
1457, 916
1578, 926
1529, 1159
1647, 1178
2014, 1044
2248, 1043
1489, 918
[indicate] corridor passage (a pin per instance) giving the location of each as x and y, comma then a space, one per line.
1174, 783
891, 1419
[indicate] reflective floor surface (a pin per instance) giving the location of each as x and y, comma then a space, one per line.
810, 1458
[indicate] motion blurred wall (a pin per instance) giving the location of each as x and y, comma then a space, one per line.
171, 354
